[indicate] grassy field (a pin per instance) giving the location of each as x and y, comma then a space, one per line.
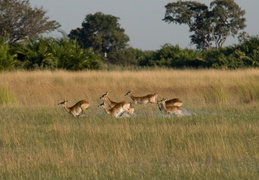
40, 140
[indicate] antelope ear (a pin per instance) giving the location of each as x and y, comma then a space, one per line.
101, 96
61, 102
127, 93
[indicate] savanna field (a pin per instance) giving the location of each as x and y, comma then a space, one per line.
219, 140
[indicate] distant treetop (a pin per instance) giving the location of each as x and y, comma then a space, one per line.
19, 21
213, 24
102, 32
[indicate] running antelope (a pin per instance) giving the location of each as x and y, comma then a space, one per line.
174, 110
111, 103
77, 109
173, 102
115, 111
106, 98
150, 98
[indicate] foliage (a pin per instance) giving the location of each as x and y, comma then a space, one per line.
209, 24
19, 21
37, 55
50, 53
72, 57
102, 32
7, 59
251, 49
146, 59
243, 55
126, 57
216, 58
173, 56
243, 36
61, 53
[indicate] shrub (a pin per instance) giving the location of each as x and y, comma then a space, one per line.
126, 57
53, 53
7, 60
173, 56
250, 49
72, 57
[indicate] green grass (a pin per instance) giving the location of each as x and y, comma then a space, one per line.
7, 97
47, 143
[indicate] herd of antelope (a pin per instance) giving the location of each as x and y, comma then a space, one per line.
119, 109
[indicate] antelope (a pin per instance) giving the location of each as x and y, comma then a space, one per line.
77, 109
150, 98
176, 110
117, 110
173, 102
112, 103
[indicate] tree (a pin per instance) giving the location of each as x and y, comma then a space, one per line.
19, 21
102, 32
210, 24
243, 37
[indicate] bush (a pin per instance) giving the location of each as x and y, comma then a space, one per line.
216, 58
250, 49
243, 55
72, 57
7, 60
53, 53
173, 56
50, 53
126, 57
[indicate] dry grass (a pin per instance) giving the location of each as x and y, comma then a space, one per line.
39, 140
46, 88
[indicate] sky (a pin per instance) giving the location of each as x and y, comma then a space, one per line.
141, 19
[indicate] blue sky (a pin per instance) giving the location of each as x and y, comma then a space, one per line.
141, 19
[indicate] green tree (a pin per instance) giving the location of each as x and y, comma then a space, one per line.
102, 32
19, 21
243, 37
216, 23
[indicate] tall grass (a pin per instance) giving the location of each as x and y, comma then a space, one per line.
40, 140
45, 88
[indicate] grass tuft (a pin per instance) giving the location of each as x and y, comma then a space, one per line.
8, 97
216, 95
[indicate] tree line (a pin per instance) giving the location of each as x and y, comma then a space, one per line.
101, 43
